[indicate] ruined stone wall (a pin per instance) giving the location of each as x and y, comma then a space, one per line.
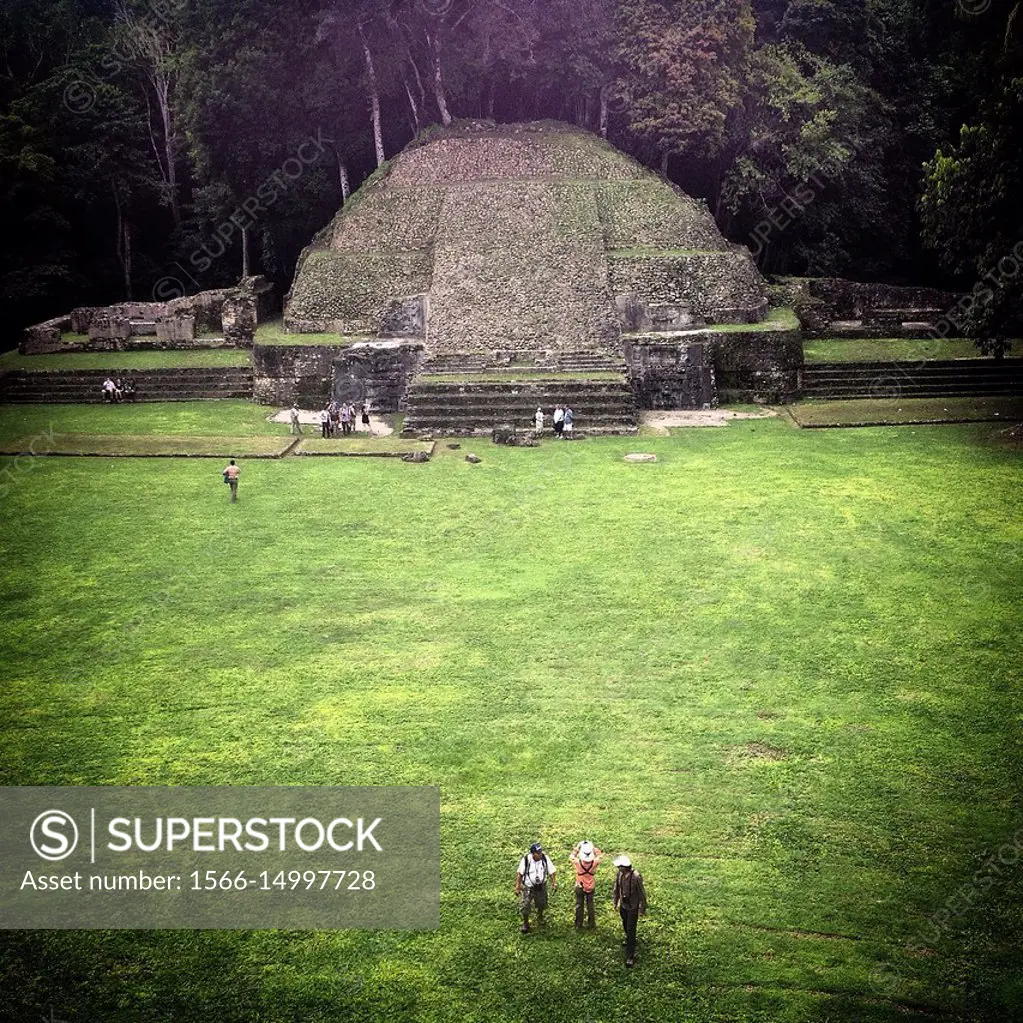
880, 310
671, 375
719, 287
759, 366
310, 375
231, 312
44, 338
652, 214
283, 374
703, 367
345, 293
380, 372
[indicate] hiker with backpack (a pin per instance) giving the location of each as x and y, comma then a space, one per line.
535, 869
586, 859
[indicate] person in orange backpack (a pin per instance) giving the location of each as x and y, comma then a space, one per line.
586, 859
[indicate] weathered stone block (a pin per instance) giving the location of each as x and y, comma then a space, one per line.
671, 374
177, 330
105, 327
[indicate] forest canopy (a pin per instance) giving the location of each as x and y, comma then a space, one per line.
149, 146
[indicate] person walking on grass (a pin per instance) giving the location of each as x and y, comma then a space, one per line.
325, 423
535, 869
365, 416
296, 422
539, 420
586, 859
569, 422
629, 898
231, 474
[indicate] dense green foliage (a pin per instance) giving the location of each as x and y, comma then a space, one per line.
788, 686
147, 148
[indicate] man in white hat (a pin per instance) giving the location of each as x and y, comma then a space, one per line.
535, 868
630, 901
585, 858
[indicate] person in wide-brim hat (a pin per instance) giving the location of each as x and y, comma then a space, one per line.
586, 859
629, 898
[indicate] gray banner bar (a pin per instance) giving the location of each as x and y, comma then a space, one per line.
233, 858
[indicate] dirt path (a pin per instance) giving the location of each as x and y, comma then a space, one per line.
661, 422
377, 427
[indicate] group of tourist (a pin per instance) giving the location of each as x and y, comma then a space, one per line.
118, 390
628, 895
562, 419
336, 418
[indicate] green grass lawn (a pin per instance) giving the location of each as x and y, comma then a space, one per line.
192, 419
779, 668
210, 358
393, 446
273, 333
905, 411
896, 350
147, 446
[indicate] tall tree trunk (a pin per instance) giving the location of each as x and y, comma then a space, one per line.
374, 99
163, 96
124, 253
342, 173
412, 103
436, 43
605, 112
245, 252
153, 47
665, 163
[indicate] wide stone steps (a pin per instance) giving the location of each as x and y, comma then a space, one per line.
85, 386
935, 379
544, 362
469, 407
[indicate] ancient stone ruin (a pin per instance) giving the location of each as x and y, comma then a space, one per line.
488, 270
224, 318
540, 252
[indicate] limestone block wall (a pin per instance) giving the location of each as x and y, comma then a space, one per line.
44, 338
695, 368
346, 293
283, 374
310, 375
233, 312
707, 287
760, 366
650, 213
378, 371
671, 375
879, 309
520, 269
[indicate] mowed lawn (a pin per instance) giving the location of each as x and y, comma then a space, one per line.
779, 668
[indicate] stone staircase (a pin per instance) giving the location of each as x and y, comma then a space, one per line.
949, 378
85, 385
550, 362
470, 406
